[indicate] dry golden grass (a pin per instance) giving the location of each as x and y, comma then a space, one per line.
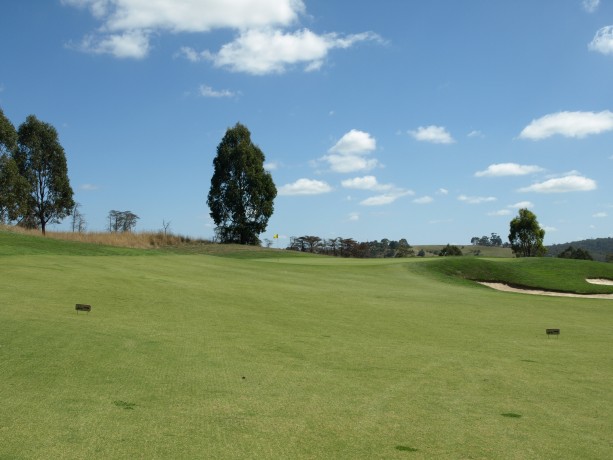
141, 240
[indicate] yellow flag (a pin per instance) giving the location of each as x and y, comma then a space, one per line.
276, 235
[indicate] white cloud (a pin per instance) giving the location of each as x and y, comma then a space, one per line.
350, 163
271, 166
549, 228
502, 212
433, 134
354, 142
207, 91
602, 41
347, 155
423, 200
354, 216
508, 169
590, 5
568, 124
476, 199
522, 205
572, 183
131, 44
265, 51
386, 198
442, 191
88, 187
305, 187
476, 133
600, 214
365, 183
191, 15
261, 47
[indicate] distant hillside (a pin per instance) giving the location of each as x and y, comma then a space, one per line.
599, 248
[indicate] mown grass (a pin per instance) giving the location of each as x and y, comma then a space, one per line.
195, 356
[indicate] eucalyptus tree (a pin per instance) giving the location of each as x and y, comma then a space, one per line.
242, 193
41, 160
526, 235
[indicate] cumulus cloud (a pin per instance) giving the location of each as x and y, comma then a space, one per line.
354, 142
442, 191
354, 216
600, 215
501, 212
590, 5
571, 183
191, 15
602, 41
385, 198
365, 183
476, 199
508, 169
207, 91
568, 124
348, 154
305, 187
522, 205
423, 200
131, 44
265, 51
507, 210
271, 166
433, 134
262, 46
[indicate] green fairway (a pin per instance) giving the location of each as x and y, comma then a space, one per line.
272, 355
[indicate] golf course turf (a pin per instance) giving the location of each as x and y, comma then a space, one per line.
271, 354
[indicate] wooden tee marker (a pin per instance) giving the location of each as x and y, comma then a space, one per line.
82, 307
552, 332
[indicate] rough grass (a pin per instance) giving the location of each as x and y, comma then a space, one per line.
189, 356
140, 240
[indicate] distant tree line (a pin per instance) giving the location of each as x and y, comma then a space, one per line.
600, 249
349, 247
121, 221
578, 253
450, 250
493, 240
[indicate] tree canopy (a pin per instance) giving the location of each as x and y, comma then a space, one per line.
42, 162
526, 235
242, 193
13, 187
578, 253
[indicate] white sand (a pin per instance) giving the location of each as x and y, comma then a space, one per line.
600, 281
506, 288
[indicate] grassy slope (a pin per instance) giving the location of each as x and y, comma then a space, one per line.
539, 273
199, 356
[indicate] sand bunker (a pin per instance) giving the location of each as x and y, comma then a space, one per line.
600, 281
506, 288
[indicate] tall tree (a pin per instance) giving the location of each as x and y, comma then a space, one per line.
242, 192
42, 161
13, 187
526, 235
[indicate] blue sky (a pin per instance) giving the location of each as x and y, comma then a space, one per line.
433, 121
